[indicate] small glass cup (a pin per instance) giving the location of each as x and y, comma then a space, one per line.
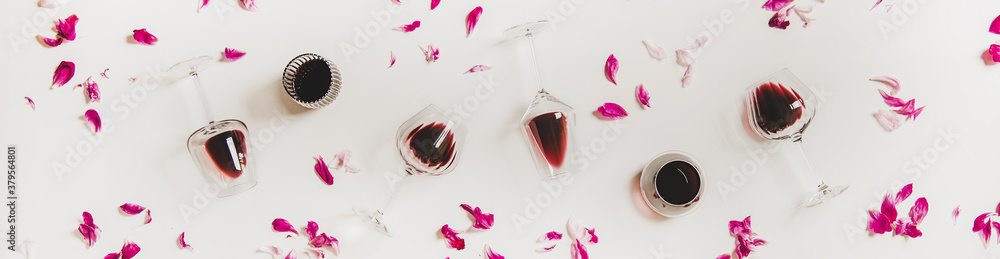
310, 93
650, 186
221, 154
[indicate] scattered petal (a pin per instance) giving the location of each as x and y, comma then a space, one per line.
409, 27
282, 225
233, 54
144, 37
725, 256
472, 19
105, 73
918, 211
641, 95
593, 237
203, 4
430, 53
131, 208
578, 251
686, 78
397, 2
612, 111
611, 69
483, 220
312, 228
30, 102
89, 230
903, 194
454, 241
291, 254
58, 41
149, 216
654, 51
888, 81
801, 11
552, 235
343, 159
492, 255
954, 214
66, 28
249, 5
392, 58
91, 89
995, 26
889, 120
776, 5
876, 5
64, 72
575, 228
779, 20
323, 171
113, 256
890, 100
94, 119
545, 249
434, 4
184, 244
48, 3
321, 240
273, 250
994, 52
478, 68
129, 250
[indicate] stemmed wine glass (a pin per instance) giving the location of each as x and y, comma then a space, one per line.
780, 107
548, 124
220, 149
429, 143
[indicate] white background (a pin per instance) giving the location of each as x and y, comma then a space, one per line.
935, 48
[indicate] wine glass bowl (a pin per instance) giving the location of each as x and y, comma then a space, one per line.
221, 154
780, 107
430, 142
549, 127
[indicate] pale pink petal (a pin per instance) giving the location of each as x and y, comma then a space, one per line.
343, 159
272, 250
578, 251
546, 248
434, 4
392, 58
130, 249
105, 73
641, 95
315, 253
611, 68
954, 214
454, 241
775, 5
654, 51
918, 211
144, 37
149, 216
233, 54
92, 90
888, 81
801, 11
483, 220
552, 235
291, 254
282, 225
472, 19
575, 228
184, 244
430, 53
492, 255
94, 119
612, 111
249, 5
889, 120
113, 256
131, 208
323, 171
686, 78
49, 3
408, 27
203, 4
30, 102
478, 68
64, 72
995, 26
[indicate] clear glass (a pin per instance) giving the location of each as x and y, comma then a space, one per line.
548, 125
294, 67
429, 143
780, 107
221, 150
650, 193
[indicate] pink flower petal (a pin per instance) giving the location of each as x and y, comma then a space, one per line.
478, 68
611, 68
58, 41
129, 250
323, 171
49, 3
409, 27
90, 232
483, 220
272, 250
343, 159
144, 37
64, 72
903, 194
888, 209
323, 239
282, 225
492, 255
312, 228
779, 21
686, 78
434, 4
995, 26
92, 90
30, 102
105, 73
612, 111
578, 251
249, 5
203, 4
889, 120
233, 54
392, 58
66, 28
149, 216
291, 254
888, 81
397, 2
472, 19
593, 237
954, 214
801, 11
94, 119
980, 222
725, 256
184, 244
776, 5
575, 228
454, 241
918, 211
131, 208
545, 249
430, 53
641, 95
890, 100
876, 5
654, 51
113, 256
552, 235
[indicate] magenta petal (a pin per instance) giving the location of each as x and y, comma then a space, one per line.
64, 72
890, 100
472, 19
92, 90
725, 256
980, 222
478, 68
434, 4
131, 208
889, 209
113, 256
483, 220
392, 58
66, 28
233, 54
492, 255
144, 37
149, 216
779, 21
612, 111
94, 119
888, 81
409, 27
552, 235
58, 41
903, 193
918, 211
291, 254
282, 225
30, 102
995, 26
776, 5
546, 249
323, 239
954, 214
323, 171
312, 228
129, 250
90, 233
249, 5
578, 251
611, 69
912, 231
203, 4
430, 53
876, 4
593, 237
641, 95
184, 244
454, 241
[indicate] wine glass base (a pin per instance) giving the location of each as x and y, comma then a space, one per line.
375, 220
525, 29
825, 193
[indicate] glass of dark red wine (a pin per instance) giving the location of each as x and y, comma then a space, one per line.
220, 149
780, 107
548, 124
311, 80
429, 143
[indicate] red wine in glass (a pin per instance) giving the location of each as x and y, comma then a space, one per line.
227, 150
549, 133
311, 80
677, 182
432, 144
778, 107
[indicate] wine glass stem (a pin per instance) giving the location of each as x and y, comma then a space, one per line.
534, 61
393, 189
819, 181
201, 95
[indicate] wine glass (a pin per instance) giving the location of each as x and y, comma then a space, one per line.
549, 125
429, 143
220, 150
780, 107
